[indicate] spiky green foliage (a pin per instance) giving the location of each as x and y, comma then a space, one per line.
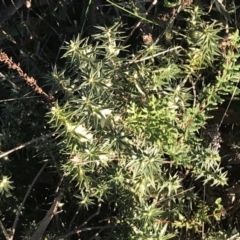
128, 126
123, 138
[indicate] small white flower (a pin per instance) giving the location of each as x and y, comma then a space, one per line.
106, 112
70, 127
117, 118
87, 136
103, 157
53, 109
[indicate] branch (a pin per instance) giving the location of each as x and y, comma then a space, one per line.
25, 144
23, 202
83, 230
38, 234
91, 217
4, 231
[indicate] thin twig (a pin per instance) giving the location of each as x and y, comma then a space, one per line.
83, 230
173, 196
194, 93
225, 113
80, 229
74, 217
7, 236
129, 12
10, 10
235, 15
97, 234
139, 23
24, 200
15, 99
92, 216
204, 199
154, 55
140, 90
233, 237
169, 24
25, 144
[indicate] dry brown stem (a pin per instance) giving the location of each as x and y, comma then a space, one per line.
29, 80
38, 234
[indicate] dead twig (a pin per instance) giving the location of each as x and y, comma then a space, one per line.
29, 80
